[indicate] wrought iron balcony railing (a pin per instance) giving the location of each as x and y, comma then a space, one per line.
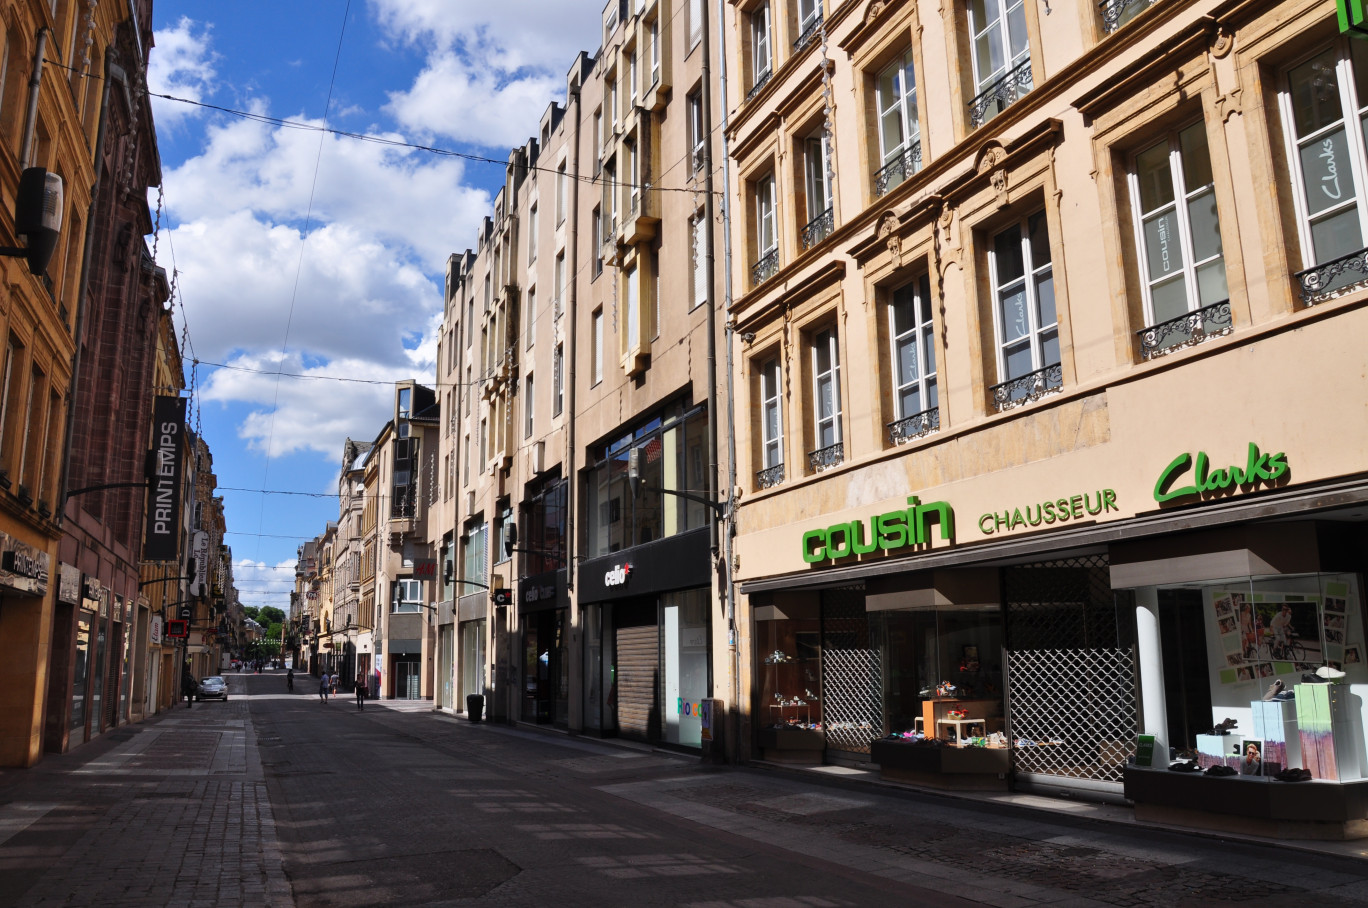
828, 457
808, 34
766, 268
997, 97
1185, 330
900, 168
1330, 278
769, 477
760, 82
1116, 13
819, 228
1028, 388
903, 430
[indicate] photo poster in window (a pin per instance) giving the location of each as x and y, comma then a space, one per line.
1267, 635
969, 658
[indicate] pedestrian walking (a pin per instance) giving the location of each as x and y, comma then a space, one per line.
361, 689
188, 687
289, 680
336, 677
324, 685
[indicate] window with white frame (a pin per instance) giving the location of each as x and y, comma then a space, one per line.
809, 13
531, 316
475, 546
655, 51
697, 134
529, 405
632, 79
817, 184
766, 237
771, 416
913, 334
1000, 54
895, 98
1324, 103
559, 275
596, 342
826, 388
1024, 311
596, 228
698, 252
1177, 230
532, 234
557, 380
762, 54
695, 22
560, 194
407, 596
632, 276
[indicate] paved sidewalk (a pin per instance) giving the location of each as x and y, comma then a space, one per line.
172, 811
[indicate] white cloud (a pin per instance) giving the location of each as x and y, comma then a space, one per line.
182, 65
492, 70
259, 583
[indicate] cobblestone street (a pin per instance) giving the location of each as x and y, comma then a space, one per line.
275, 799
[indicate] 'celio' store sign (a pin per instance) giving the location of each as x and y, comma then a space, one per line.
1186, 479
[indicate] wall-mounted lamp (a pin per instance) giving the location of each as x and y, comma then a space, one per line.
37, 218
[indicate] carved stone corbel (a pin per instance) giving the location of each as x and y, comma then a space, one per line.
889, 228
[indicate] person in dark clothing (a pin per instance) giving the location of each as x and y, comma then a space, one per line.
361, 690
188, 687
289, 680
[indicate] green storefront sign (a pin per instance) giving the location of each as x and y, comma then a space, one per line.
1203, 480
881, 532
1351, 18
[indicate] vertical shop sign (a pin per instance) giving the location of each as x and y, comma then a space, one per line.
164, 483
199, 548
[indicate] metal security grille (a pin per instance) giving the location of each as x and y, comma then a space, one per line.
1070, 670
852, 709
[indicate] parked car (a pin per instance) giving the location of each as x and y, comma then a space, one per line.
213, 688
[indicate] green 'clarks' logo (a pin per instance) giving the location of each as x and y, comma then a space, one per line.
1258, 468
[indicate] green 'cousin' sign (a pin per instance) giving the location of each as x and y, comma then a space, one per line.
1351, 18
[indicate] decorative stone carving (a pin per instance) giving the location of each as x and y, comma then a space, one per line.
888, 231
998, 179
875, 11
991, 156
1222, 41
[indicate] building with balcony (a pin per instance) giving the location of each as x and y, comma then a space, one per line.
1048, 400
579, 366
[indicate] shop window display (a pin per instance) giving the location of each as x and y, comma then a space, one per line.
788, 648
1275, 688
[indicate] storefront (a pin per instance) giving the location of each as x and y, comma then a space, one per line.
1077, 631
544, 624
472, 621
648, 627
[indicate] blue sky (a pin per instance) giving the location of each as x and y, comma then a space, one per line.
320, 255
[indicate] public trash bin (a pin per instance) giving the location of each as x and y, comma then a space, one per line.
474, 707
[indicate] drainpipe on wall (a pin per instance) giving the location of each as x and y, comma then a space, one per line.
112, 72
729, 528
571, 477
31, 116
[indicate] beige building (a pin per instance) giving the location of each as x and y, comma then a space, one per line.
1051, 396
579, 369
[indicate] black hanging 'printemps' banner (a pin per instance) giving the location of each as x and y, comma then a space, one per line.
165, 480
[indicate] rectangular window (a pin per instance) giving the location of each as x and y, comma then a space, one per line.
771, 416
655, 51
531, 316
557, 379
1001, 56
543, 518
914, 356
766, 237
1177, 231
698, 252
695, 22
6, 410
826, 388
817, 183
598, 141
532, 234
1024, 312
529, 404
632, 79
1324, 105
597, 228
560, 275
697, 132
596, 341
503, 527
809, 13
895, 98
761, 53
632, 277
474, 561
407, 596
560, 195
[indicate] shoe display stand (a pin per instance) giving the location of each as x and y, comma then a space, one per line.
948, 763
791, 734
